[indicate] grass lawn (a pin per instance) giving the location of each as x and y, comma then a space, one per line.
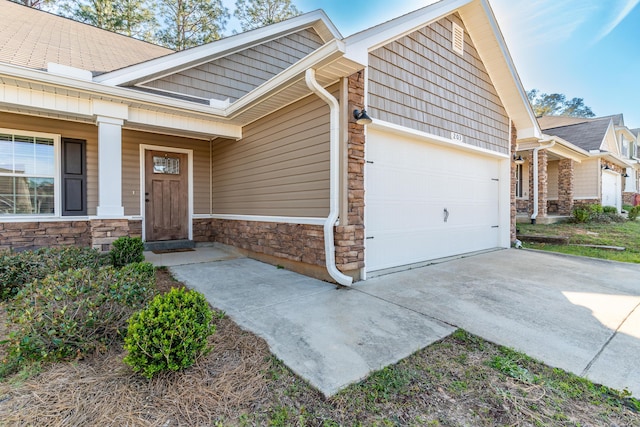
625, 234
461, 380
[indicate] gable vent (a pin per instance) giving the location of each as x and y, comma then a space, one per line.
458, 38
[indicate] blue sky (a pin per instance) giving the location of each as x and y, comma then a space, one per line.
581, 48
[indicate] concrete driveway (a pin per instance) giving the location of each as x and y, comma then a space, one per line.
578, 314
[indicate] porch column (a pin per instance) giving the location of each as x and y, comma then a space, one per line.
543, 157
109, 167
565, 186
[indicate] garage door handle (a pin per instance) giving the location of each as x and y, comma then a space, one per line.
446, 214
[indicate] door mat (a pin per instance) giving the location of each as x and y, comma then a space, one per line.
171, 251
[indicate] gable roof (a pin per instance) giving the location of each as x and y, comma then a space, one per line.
189, 58
589, 135
33, 38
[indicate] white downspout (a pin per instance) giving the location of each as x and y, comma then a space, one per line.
535, 178
334, 176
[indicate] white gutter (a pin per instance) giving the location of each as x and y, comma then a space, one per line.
334, 176
550, 144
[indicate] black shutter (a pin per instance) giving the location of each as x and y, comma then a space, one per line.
74, 177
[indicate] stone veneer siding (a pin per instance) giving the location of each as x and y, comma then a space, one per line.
32, 235
349, 236
632, 199
294, 242
98, 233
513, 176
105, 231
543, 157
565, 186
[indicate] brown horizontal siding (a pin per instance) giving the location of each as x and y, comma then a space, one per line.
419, 82
237, 74
279, 168
131, 141
65, 129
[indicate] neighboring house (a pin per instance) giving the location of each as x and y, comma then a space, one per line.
251, 140
579, 161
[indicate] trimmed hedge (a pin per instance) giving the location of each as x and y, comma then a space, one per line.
126, 250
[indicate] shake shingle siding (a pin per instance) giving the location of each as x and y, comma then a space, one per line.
418, 82
238, 74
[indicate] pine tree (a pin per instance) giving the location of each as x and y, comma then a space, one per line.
258, 13
190, 23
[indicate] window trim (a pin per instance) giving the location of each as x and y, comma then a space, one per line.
57, 202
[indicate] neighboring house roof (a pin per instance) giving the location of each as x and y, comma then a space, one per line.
548, 122
587, 135
33, 38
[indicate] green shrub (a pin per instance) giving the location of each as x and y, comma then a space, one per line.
126, 250
609, 209
595, 208
634, 212
20, 268
627, 208
170, 334
71, 313
580, 214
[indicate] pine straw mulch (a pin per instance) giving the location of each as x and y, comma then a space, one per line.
102, 390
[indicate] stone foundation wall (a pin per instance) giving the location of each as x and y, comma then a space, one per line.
523, 206
33, 235
95, 233
294, 242
105, 231
632, 199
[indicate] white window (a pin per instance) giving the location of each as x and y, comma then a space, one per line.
624, 147
28, 173
519, 192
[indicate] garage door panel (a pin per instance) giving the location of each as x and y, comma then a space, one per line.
425, 201
414, 246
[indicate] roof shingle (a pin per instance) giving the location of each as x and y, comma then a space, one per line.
32, 38
587, 135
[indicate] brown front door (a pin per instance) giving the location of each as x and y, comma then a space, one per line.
166, 199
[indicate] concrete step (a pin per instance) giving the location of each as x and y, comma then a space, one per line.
166, 245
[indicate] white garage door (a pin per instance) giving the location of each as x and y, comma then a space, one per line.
425, 201
611, 189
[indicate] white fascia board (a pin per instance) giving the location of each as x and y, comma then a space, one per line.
358, 45
187, 58
333, 49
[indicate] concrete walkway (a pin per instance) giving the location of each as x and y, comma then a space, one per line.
578, 314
